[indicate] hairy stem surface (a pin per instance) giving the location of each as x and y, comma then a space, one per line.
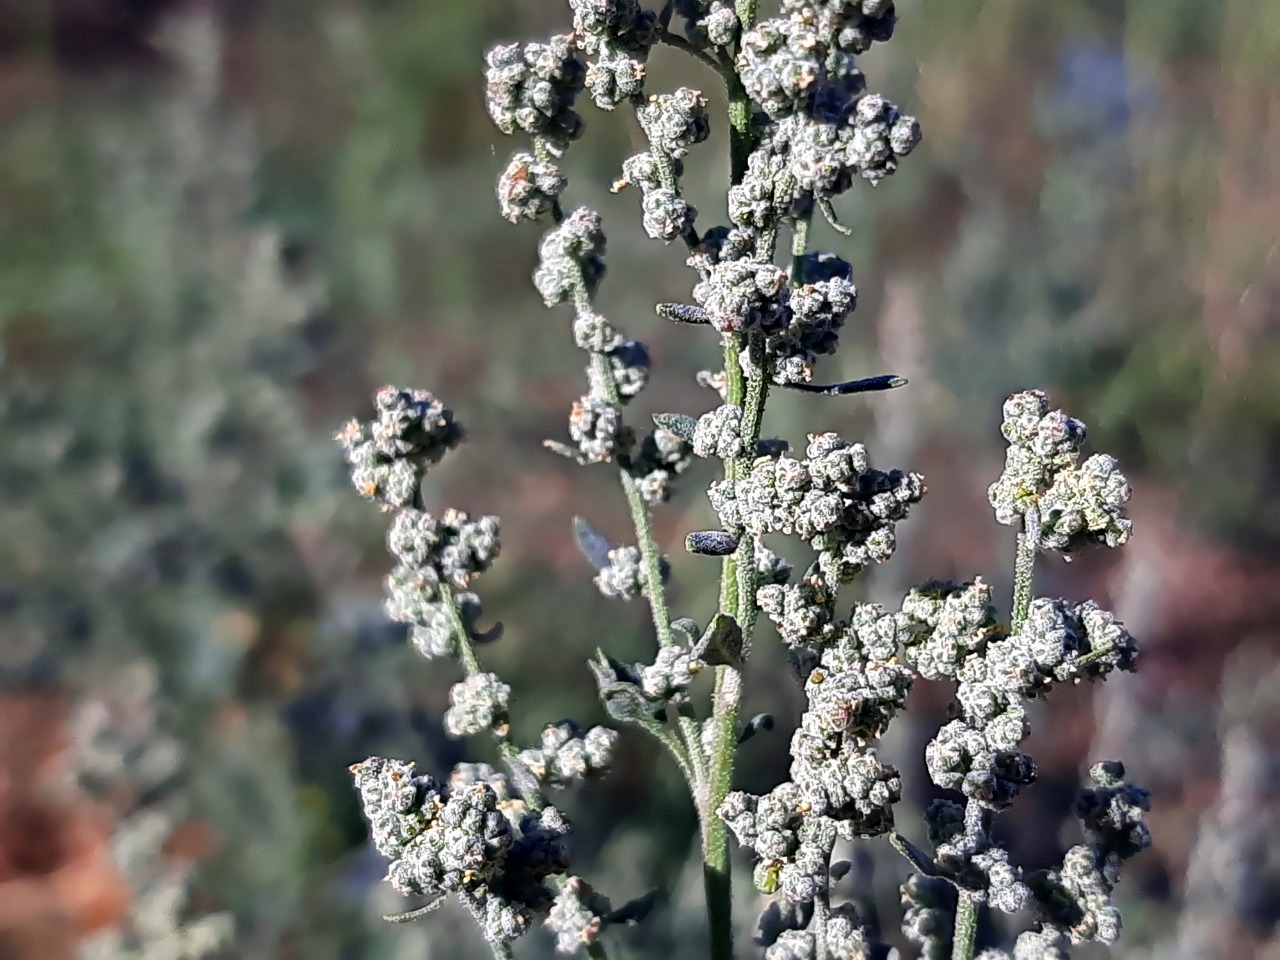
966, 932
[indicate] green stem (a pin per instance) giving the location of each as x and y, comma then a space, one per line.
1024, 566
680, 43
821, 915
727, 699
799, 244
466, 651
716, 868
501, 951
640, 518
643, 523
966, 929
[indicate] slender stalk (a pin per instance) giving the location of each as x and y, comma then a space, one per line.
734, 593
1024, 565
596, 951
716, 867
680, 43
821, 915
966, 930
640, 518
799, 244
501, 951
735, 393
466, 650
648, 544
977, 819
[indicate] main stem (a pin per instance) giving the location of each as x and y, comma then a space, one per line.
737, 576
965, 934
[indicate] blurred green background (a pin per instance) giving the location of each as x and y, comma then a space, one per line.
222, 225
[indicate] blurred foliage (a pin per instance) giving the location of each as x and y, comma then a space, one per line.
222, 225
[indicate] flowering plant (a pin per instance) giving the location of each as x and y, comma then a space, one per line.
803, 130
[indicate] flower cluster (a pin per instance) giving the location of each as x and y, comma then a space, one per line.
804, 129
839, 788
467, 837
1072, 903
389, 455
951, 632
491, 842
529, 189
619, 34
673, 123
567, 754
1064, 505
833, 499
532, 87
709, 24
977, 752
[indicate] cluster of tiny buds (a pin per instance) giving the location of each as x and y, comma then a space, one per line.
709, 24
1064, 505
532, 87
567, 754
833, 499
469, 837
625, 575
619, 34
389, 455
492, 845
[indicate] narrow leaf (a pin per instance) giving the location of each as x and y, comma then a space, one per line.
633, 911
915, 856
680, 424
868, 385
411, 915
761, 721
593, 544
711, 543
681, 313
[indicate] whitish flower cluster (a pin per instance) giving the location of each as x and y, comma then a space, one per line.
529, 189
619, 34
946, 623
435, 556
718, 433
567, 754
1072, 903
833, 499
838, 786
1064, 505
822, 296
673, 123
492, 845
621, 572
976, 753
468, 837
578, 916
709, 24
844, 938
389, 455
636, 692
532, 87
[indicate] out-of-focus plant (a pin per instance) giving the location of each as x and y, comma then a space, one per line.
123, 757
803, 130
